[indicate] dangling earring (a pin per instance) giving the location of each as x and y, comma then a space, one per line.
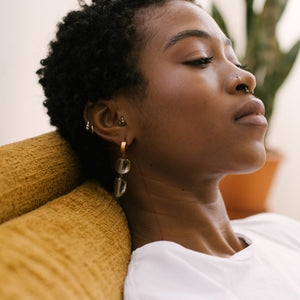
89, 127
122, 167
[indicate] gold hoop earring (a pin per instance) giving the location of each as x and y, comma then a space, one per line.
122, 167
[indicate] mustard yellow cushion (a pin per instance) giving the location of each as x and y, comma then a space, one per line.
74, 247
34, 171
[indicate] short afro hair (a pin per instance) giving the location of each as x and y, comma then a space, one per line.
92, 57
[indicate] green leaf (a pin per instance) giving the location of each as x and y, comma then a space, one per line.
275, 8
250, 17
285, 64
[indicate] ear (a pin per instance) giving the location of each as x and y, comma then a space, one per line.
105, 116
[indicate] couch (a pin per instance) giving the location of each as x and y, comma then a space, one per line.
61, 237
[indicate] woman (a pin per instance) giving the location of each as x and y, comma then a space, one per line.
157, 84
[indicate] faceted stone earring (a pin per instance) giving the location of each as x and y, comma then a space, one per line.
122, 167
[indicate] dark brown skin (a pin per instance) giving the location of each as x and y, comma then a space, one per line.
182, 136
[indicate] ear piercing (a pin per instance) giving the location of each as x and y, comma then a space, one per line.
122, 164
122, 121
89, 127
122, 167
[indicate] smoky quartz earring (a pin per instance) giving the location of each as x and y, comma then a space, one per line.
122, 167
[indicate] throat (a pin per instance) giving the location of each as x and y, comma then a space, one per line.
195, 224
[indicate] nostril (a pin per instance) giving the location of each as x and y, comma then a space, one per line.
242, 87
235, 84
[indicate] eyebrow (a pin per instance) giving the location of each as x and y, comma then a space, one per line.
191, 33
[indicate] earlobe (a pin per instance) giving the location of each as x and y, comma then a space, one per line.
107, 121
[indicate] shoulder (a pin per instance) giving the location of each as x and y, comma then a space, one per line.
145, 271
266, 220
270, 226
161, 269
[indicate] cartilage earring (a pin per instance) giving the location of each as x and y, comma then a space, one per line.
89, 127
122, 121
122, 168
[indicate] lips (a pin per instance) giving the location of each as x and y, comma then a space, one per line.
251, 113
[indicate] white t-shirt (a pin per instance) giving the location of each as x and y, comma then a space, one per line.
269, 268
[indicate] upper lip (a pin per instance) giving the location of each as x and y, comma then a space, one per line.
253, 107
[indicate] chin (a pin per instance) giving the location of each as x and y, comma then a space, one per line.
254, 161
249, 161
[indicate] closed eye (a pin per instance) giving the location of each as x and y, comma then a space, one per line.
200, 62
243, 67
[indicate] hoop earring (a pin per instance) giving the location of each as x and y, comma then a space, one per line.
89, 127
122, 167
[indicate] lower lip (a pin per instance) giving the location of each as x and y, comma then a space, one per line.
253, 120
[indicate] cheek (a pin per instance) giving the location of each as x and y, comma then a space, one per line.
183, 110
183, 93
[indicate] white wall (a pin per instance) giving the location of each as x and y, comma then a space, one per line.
26, 27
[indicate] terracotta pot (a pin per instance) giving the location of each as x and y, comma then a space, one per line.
246, 195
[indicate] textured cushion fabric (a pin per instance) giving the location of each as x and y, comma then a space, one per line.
34, 171
74, 247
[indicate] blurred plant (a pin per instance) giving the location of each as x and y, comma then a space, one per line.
263, 54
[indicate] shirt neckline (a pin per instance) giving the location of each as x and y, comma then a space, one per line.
241, 255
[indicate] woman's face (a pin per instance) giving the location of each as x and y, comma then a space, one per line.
190, 120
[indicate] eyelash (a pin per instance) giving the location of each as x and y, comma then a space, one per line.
243, 67
201, 62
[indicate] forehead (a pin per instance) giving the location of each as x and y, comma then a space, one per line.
165, 22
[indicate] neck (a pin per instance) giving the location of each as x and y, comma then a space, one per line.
194, 218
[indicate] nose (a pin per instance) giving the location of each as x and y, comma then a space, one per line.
240, 80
